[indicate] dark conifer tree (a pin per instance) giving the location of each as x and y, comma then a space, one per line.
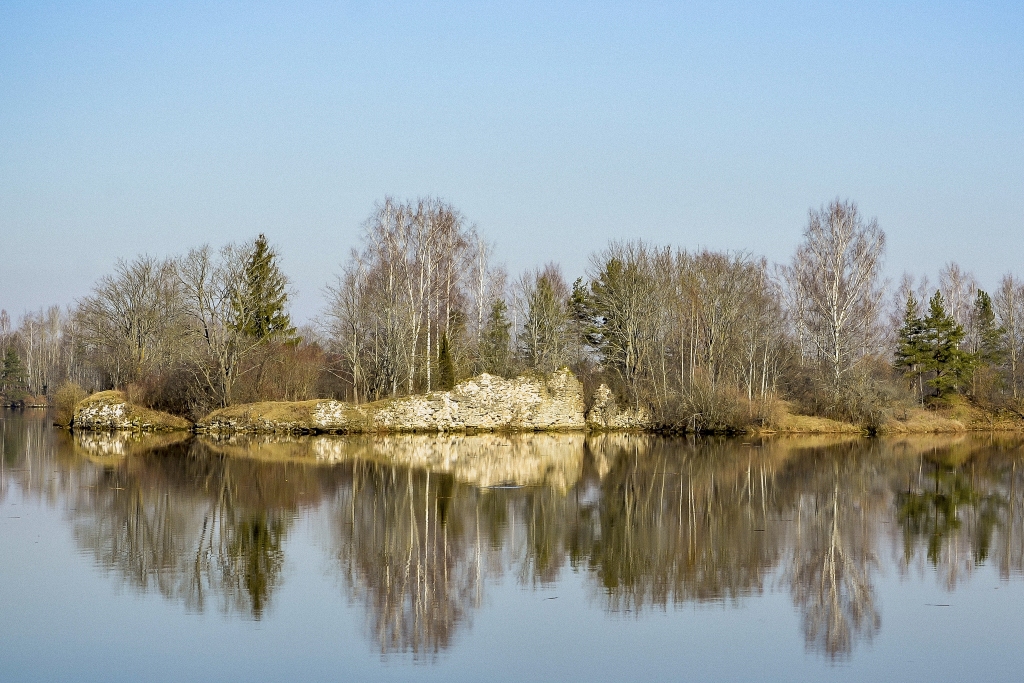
991, 349
261, 307
943, 335
12, 376
911, 351
581, 314
445, 366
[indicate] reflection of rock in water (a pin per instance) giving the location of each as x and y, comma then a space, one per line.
553, 460
485, 460
107, 448
269, 447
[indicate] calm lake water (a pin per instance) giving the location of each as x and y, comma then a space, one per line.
528, 558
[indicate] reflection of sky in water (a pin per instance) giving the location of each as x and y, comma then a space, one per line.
656, 559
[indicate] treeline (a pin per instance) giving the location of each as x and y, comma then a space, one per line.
703, 339
185, 334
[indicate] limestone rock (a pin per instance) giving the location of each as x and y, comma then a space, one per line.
111, 411
483, 403
605, 413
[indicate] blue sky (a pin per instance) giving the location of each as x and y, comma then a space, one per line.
555, 127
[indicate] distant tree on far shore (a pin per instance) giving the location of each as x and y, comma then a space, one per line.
12, 376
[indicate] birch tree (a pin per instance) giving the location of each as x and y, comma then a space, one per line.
1008, 303
959, 289
835, 273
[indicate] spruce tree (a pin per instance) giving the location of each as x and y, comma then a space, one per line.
911, 350
581, 318
12, 374
943, 335
545, 328
445, 366
261, 308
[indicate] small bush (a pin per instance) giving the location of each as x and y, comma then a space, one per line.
64, 401
708, 407
170, 391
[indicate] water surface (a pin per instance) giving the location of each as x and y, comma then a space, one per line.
508, 558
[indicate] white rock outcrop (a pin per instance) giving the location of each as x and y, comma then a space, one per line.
605, 413
483, 403
110, 411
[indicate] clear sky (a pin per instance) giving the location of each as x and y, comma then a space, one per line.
555, 127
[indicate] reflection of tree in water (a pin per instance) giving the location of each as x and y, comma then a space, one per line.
650, 522
657, 522
405, 548
254, 559
960, 507
710, 520
29, 450
238, 556
931, 512
670, 522
681, 522
417, 548
831, 562
193, 525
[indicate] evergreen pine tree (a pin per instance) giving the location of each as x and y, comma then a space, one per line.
911, 351
445, 366
261, 307
581, 316
943, 335
12, 374
495, 340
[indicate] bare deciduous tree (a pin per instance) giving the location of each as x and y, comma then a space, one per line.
212, 287
132, 319
1008, 303
540, 299
835, 275
403, 294
958, 288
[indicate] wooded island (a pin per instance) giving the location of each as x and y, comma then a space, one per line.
693, 340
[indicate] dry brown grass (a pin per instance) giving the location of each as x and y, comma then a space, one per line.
291, 412
955, 415
923, 421
784, 421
